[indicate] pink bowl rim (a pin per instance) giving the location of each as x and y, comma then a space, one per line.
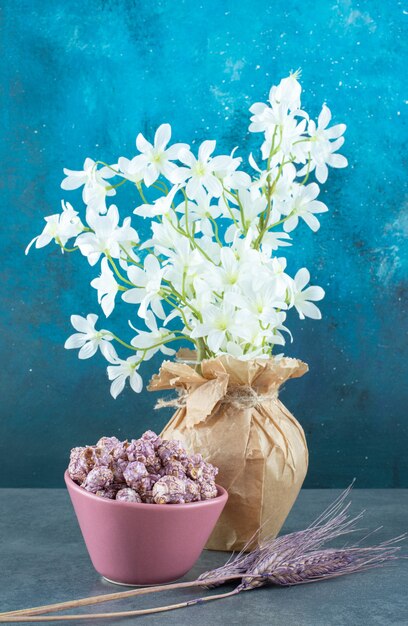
221, 497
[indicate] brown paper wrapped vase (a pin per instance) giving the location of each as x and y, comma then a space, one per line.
231, 414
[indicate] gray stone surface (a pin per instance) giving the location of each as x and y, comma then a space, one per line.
43, 559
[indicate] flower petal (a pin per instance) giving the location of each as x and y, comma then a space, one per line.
80, 323
88, 350
136, 381
337, 160
162, 136
142, 144
310, 310
118, 385
313, 293
206, 148
302, 278
324, 117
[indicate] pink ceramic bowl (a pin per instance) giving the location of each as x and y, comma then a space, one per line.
143, 544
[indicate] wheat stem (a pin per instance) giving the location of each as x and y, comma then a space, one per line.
160, 609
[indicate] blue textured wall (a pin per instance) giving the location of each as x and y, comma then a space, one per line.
81, 79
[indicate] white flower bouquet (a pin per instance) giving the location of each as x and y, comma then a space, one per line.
209, 272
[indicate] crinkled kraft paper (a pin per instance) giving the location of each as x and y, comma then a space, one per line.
257, 444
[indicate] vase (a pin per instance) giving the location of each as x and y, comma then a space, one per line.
229, 412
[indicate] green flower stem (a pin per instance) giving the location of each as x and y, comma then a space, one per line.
229, 208
164, 189
216, 231
122, 343
186, 210
108, 166
122, 182
129, 258
140, 190
281, 221
155, 345
68, 249
201, 350
175, 306
184, 300
115, 269
263, 222
193, 241
306, 178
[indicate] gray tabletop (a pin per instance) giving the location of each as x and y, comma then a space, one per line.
43, 559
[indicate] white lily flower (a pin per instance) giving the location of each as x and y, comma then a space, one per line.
59, 228
156, 159
88, 339
273, 240
76, 178
161, 206
216, 323
131, 169
120, 371
149, 342
239, 349
201, 171
107, 237
260, 298
94, 181
165, 236
184, 264
147, 283
107, 288
303, 204
302, 296
324, 142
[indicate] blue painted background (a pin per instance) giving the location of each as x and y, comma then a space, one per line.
81, 79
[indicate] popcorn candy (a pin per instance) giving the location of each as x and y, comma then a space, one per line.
133, 473
108, 443
147, 497
118, 466
149, 435
171, 451
169, 490
209, 471
82, 460
78, 467
98, 478
193, 492
108, 493
141, 450
100, 456
174, 468
128, 495
120, 451
130, 471
145, 485
208, 490
194, 466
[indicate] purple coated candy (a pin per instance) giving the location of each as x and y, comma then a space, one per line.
108, 443
169, 490
208, 490
133, 473
175, 468
171, 451
98, 478
128, 495
108, 493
